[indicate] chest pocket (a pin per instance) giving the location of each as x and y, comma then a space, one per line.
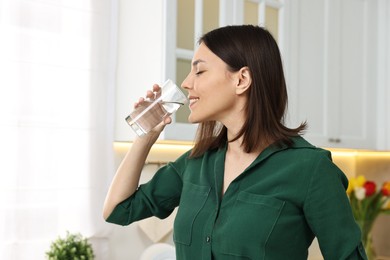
192, 200
252, 220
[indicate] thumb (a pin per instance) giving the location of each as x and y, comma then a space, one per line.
160, 127
167, 120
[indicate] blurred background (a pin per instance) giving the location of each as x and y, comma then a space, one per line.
70, 71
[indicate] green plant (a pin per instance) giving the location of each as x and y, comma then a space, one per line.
72, 247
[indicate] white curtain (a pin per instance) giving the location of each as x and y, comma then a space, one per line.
56, 119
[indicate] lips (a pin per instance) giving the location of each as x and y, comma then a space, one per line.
193, 100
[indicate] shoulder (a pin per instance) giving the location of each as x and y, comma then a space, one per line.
320, 160
303, 151
312, 160
186, 165
299, 142
186, 158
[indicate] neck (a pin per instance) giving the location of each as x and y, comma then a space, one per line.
236, 146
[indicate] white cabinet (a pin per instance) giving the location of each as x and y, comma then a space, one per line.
331, 70
383, 68
156, 41
336, 60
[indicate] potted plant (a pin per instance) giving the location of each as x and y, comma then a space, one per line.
72, 247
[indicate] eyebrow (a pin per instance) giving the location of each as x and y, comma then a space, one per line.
196, 62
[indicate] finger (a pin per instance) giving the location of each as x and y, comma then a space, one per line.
167, 120
157, 90
150, 94
140, 100
160, 127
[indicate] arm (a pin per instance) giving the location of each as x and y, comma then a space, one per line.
329, 215
126, 179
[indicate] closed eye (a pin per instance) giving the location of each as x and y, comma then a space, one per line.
199, 72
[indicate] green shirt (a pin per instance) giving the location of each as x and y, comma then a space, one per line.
272, 210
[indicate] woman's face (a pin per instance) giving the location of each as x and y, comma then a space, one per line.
211, 87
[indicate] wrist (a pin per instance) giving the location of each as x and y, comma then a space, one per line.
147, 140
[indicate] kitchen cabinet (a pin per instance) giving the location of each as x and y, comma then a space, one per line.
383, 78
156, 41
331, 57
336, 60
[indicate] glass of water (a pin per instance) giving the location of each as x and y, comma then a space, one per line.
150, 113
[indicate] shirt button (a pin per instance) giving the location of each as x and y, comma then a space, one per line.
208, 239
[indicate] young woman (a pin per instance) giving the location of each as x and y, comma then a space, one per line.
251, 188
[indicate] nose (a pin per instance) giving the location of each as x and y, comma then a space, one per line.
187, 83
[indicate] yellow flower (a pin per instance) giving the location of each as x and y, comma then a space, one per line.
354, 183
350, 187
360, 180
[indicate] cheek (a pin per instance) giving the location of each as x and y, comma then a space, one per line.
216, 88
212, 107
217, 96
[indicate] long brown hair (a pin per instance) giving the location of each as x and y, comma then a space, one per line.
254, 47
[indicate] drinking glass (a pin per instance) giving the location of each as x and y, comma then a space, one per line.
149, 113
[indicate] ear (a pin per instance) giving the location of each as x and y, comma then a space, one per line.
244, 80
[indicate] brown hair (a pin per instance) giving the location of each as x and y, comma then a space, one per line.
254, 47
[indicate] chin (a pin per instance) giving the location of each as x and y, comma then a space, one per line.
193, 120
190, 120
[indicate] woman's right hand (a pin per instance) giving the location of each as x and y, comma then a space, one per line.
150, 96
